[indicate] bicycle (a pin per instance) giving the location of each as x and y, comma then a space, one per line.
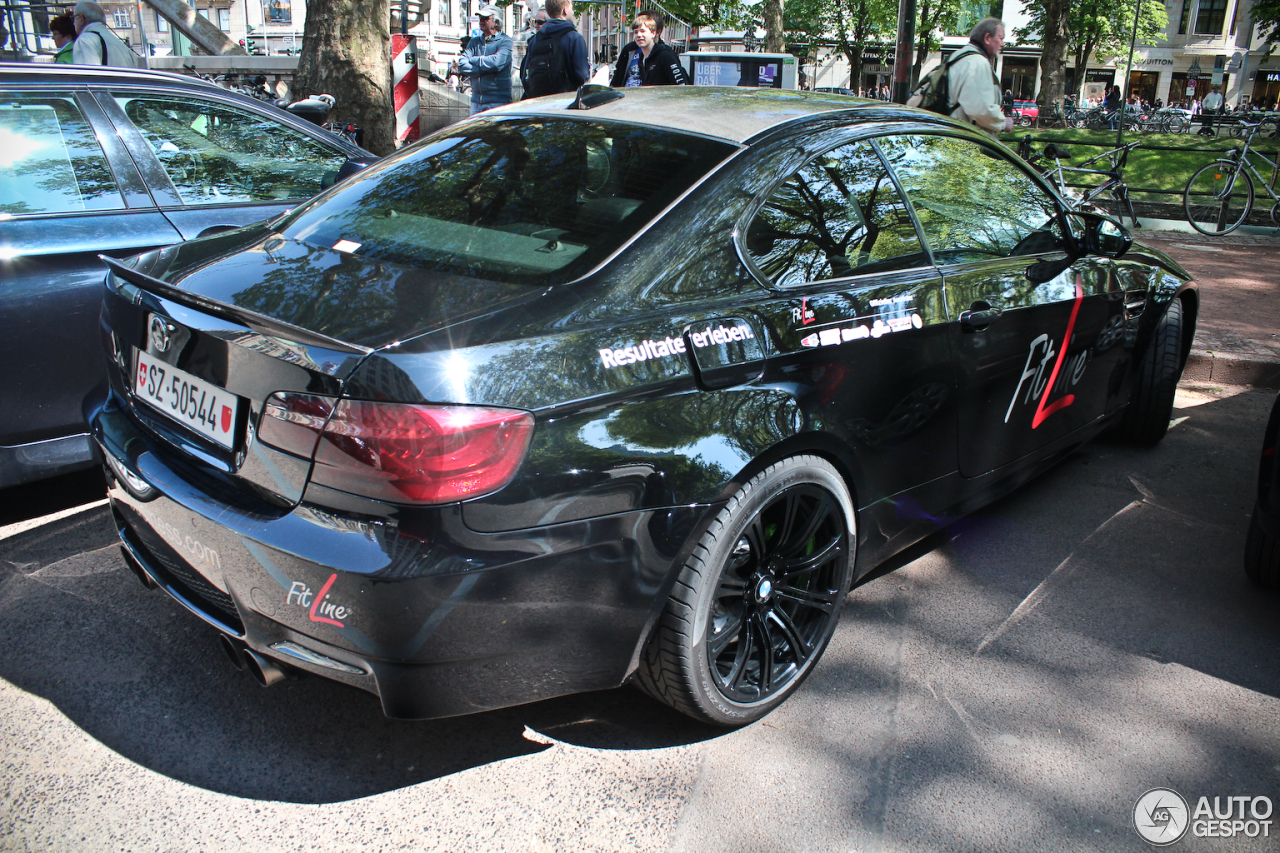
1114, 185
1219, 197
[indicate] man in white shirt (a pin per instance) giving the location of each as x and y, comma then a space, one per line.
95, 43
1212, 106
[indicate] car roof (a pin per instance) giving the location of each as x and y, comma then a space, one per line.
730, 113
50, 72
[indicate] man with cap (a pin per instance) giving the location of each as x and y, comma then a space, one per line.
487, 59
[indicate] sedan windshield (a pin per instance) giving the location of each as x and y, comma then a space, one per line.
528, 199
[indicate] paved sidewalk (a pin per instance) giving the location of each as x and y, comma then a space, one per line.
1238, 331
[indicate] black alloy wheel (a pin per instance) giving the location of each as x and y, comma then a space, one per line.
755, 605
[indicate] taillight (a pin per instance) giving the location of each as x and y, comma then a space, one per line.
420, 453
293, 422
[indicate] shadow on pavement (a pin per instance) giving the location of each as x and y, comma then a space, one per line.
142, 676
32, 500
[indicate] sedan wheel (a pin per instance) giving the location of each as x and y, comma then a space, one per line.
756, 603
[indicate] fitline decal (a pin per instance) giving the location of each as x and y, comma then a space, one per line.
328, 612
1039, 386
669, 346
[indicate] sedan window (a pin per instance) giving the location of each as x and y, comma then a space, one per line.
217, 154
971, 201
509, 199
50, 161
838, 216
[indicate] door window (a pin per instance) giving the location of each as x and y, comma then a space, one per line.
218, 154
50, 161
972, 202
838, 216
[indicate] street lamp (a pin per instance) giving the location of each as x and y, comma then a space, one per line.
750, 42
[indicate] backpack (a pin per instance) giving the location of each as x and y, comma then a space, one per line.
545, 67
933, 93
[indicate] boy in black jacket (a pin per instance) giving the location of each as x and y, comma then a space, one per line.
647, 60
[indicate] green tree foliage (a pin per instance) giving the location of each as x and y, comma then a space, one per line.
730, 15
847, 25
1099, 28
1266, 17
934, 18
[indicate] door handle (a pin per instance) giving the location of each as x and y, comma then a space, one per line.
978, 317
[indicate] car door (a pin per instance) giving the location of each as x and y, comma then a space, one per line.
68, 191
860, 317
1027, 318
213, 163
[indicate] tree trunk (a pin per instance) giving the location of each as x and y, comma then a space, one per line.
202, 32
775, 39
1053, 68
346, 52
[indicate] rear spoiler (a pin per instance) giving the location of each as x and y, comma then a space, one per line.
260, 323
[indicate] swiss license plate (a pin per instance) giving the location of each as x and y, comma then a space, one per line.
205, 408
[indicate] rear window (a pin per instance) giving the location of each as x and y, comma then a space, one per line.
514, 199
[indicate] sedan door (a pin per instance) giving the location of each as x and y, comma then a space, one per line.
214, 163
68, 191
861, 320
1029, 322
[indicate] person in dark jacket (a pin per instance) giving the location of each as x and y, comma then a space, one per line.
647, 60
569, 71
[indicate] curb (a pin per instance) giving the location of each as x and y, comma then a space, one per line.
1228, 368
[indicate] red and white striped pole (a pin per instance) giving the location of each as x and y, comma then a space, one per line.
404, 92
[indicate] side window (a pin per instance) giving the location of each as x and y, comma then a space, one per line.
972, 202
838, 216
217, 154
50, 161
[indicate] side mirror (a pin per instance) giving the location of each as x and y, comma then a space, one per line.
349, 168
1100, 235
1108, 237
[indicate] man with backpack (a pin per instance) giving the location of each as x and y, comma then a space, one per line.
647, 60
487, 60
965, 85
556, 59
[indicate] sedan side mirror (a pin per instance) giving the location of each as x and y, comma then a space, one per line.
349, 168
1101, 235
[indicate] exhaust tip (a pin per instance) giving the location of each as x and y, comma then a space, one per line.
136, 568
234, 651
264, 670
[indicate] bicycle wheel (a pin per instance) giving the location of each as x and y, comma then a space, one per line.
1218, 198
1269, 128
1176, 124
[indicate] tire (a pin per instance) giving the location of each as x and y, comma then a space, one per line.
1261, 555
1023, 121
1176, 124
1218, 198
1269, 128
775, 564
1146, 419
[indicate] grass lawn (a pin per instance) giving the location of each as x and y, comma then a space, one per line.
1149, 168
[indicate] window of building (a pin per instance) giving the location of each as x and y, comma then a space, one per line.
1186, 16
120, 19
162, 26
280, 12
1212, 16
224, 20
446, 13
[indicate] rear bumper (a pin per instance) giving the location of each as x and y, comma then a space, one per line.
437, 622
